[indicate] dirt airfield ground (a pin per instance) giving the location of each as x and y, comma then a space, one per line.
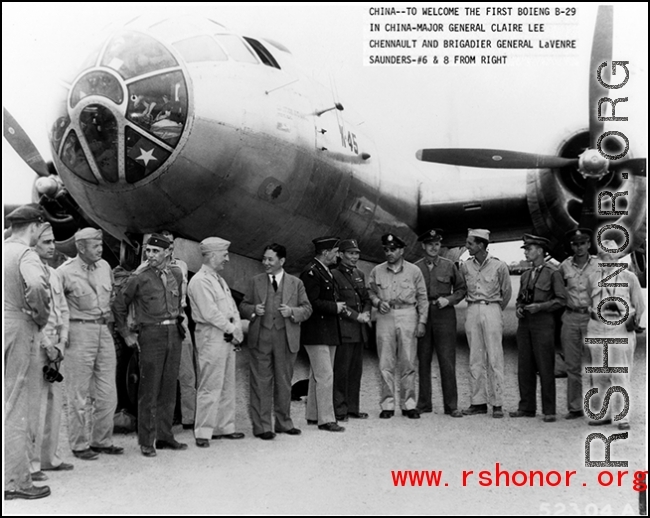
320, 472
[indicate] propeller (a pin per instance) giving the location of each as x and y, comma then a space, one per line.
591, 164
18, 139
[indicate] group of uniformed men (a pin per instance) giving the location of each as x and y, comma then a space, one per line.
70, 312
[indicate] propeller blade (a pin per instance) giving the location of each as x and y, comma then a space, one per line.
493, 158
634, 166
18, 139
601, 52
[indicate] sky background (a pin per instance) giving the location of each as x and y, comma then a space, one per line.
528, 106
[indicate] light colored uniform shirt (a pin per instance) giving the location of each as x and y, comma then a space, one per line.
87, 288
489, 282
405, 286
212, 303
58, 322
28, 292
575, 279
631, 294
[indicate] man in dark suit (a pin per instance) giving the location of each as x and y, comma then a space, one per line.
321, 333
348, 363
275, 303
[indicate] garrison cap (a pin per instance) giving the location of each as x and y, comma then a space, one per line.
479, 232
608, 246
88, 233
431, 236
26, 214
325, 243
530, 239
578, 235
349, 244
392, 241
45, 228
214, 244
159, 240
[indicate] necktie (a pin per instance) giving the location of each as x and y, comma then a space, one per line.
274, 283
163, 277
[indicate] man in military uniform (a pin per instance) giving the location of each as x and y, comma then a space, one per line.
275, 303
445, 288
321, 333
27, 308
154, 290
399, 292
348, 362
187, 369
615, 294
576, 270
47, 396
87, 282
218, 331
488, 293
540, 293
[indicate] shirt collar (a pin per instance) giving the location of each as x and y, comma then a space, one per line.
390, 268
278, 276
432, 262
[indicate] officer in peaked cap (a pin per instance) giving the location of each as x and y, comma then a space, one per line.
530, 239
392, 241
348, 363
488, 293
575, 271
27, 308
445, 288
30, 213
321, 333
541, 292
399, 292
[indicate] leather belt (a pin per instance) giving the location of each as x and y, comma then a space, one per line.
169, 322
578, 310
485, 302
100, 321
399, 305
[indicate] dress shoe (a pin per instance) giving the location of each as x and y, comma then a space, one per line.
86, 454
235, 435
331, 427
574, 414
342, 418
203, 443
30, 493
522, 413
266, 436
455, 413
188, 426
411, 414
290, 431
475, 409
550, 418
386, 414
64, 466
148, 451
39, 476
602, 422
621, 426
358, 415
497, 412
171, 445
108, 450
312, 421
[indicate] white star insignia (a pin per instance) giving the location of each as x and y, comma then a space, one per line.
146, 156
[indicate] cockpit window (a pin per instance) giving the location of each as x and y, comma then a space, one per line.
158, 105
133, 54
97, 83
236, 48
200, 48
73, 157
262, 52
143, 156
100, 131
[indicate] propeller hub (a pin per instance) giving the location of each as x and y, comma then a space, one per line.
48, 186
592, 164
